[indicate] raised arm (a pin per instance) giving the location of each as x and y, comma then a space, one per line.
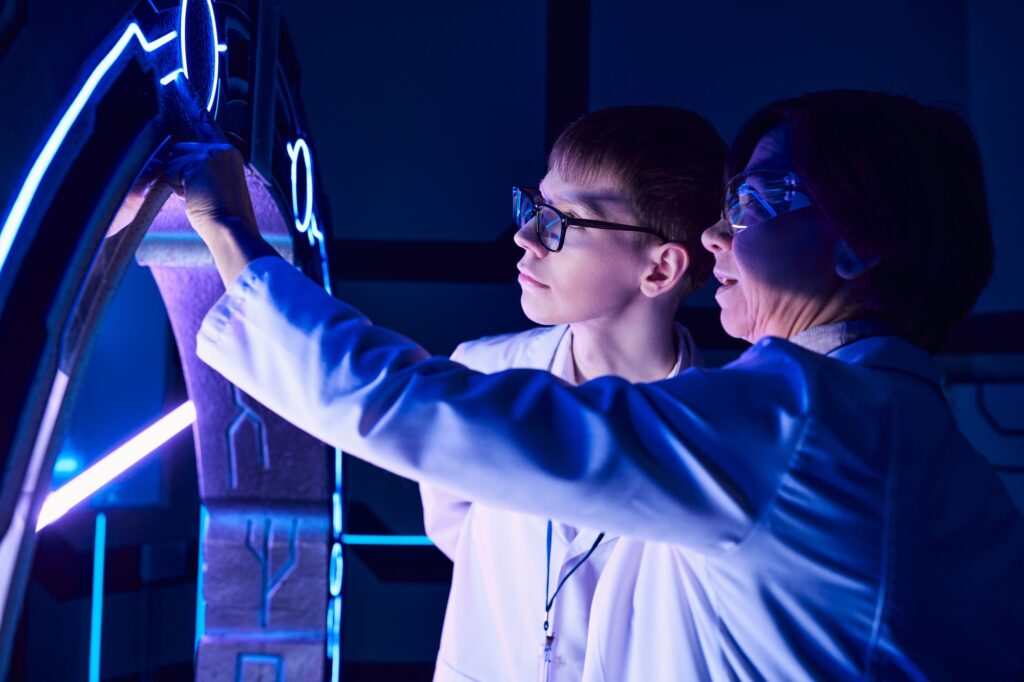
673, 461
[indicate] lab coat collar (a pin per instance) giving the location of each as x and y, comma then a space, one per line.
541, 351
561, 365
891, 353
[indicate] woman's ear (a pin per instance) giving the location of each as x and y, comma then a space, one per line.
848, 264
667, 266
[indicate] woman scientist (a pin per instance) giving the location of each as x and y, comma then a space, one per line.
808, 512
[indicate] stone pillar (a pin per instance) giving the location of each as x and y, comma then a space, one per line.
265, 487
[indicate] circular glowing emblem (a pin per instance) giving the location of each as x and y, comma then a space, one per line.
199, 48
299, 154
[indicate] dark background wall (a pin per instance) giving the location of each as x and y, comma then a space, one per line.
422, 117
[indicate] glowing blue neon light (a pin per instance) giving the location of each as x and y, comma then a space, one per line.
204, 525
171, 76
96, 621
184, 55
337, 564
387, 540
300, 147
14, 220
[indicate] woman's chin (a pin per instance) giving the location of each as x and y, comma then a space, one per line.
736, 326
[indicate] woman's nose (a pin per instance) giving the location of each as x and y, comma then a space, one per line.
526, 239
718, 237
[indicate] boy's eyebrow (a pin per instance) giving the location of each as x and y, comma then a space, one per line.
593, 201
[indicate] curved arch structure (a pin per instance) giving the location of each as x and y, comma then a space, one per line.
83, 203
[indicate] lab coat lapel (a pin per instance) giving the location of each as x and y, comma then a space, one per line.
540, 353
582, 543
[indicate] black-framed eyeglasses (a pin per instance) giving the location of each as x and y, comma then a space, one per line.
550, 224
757, 196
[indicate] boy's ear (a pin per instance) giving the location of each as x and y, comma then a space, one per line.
667, 266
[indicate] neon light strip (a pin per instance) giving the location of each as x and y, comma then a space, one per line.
96, 623
42, 163
171, 76
387, 540
81, 487
204, 525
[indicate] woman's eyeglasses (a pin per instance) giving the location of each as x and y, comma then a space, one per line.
551, 224
755, 197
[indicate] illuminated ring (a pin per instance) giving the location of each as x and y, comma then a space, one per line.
300, 146
216, 49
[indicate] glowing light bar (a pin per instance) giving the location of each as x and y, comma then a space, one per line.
171, 76
12, 224
72, 493
387, 540
96, 620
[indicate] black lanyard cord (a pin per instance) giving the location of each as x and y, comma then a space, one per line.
550, 601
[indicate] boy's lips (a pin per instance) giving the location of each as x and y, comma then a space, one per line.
527, 278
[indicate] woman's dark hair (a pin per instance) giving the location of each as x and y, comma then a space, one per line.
899, 181
669, 162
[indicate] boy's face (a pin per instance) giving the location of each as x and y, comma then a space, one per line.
597, 273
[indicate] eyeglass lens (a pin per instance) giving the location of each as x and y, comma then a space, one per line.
545, 221
754, 198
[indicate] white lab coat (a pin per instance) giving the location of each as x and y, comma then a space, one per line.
791, 516
493, 625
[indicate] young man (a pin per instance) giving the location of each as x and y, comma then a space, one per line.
611, 245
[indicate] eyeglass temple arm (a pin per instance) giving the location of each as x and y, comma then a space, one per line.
605, 225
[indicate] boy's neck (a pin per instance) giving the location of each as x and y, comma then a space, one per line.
639, 345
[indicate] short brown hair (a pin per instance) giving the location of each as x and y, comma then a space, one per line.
669, 162
899, 181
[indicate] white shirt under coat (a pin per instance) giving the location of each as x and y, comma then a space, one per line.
493, 627
790, 516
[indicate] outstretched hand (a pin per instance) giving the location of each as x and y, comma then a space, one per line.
209, 174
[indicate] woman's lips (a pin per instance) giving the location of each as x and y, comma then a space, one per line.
725, 282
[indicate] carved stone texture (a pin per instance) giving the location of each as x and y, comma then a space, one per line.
266, 572
233, 661
243, 450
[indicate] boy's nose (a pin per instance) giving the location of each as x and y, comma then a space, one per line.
718, 237
526, 239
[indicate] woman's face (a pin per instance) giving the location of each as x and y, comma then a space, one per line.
778, 277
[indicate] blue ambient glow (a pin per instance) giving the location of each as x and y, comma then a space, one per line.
96, 622
218, 48
14, 220
66, 464
387, 540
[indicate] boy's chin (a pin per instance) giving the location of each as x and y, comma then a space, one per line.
542, 317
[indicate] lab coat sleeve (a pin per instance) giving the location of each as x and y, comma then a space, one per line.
444, 512
694, 460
